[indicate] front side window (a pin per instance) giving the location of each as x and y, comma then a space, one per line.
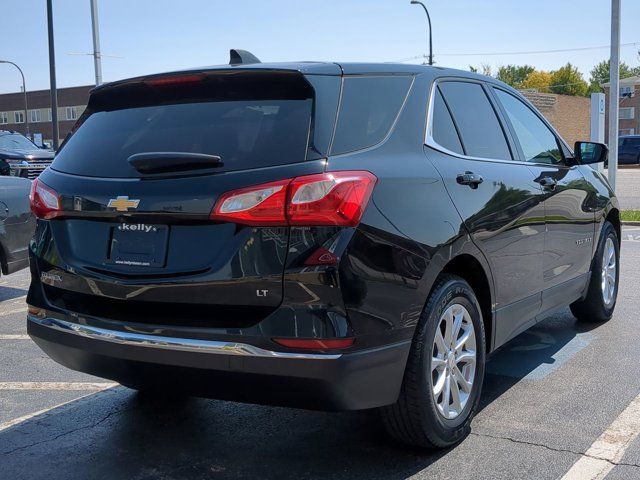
480, 130
368, 110
537, 141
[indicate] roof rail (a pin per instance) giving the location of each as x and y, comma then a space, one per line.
241, 57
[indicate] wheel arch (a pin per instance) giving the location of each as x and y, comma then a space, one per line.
613, 217
474, 273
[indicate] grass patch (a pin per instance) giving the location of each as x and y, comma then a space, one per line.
630, 215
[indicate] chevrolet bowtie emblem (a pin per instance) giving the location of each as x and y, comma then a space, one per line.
122, 203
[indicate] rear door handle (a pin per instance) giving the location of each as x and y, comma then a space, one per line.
548, 183
469, 178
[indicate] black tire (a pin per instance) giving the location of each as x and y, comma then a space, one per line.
414, 419
593, 307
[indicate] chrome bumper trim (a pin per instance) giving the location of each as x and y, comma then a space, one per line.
171, 343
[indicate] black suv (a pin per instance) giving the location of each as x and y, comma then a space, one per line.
20, 157
319, 235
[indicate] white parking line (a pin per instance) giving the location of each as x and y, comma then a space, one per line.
80, 386
609, 449
24, 418
14, 337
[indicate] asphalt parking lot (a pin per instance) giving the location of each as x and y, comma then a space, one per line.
551, 395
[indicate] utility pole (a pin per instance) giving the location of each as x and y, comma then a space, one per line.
52, 77
24, 91
97, 58
614, 92
416, 2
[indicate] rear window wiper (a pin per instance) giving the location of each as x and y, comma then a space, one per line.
170, 162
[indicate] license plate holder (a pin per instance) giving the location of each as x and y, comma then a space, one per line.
138, 245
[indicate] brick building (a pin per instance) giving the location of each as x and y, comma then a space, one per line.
568, 114
71, 103
629, 96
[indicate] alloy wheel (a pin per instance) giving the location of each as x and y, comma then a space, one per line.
609, 267
453, 361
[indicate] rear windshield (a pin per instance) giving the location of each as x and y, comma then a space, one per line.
245, 127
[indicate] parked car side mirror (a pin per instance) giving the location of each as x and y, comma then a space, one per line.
586, 153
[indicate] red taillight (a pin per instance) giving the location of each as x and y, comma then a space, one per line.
334, 198
260, 205
315, 344
337, 198
44, 200
174, 80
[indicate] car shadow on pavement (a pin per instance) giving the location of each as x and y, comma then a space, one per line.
120, 434
536, 353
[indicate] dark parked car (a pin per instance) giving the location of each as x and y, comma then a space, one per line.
16, 224
629, 150
20, 157
319, 235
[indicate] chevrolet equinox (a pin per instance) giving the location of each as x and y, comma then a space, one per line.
316, 235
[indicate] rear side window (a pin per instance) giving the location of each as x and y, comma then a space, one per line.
538, 143
368, 110
480, 130
248, 121
443, 130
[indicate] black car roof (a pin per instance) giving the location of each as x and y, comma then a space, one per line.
323, 68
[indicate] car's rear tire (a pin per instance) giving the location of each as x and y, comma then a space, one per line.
435, 408
602, 292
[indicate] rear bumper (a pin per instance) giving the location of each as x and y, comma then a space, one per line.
229, 371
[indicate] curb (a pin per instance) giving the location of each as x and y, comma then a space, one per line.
631, 224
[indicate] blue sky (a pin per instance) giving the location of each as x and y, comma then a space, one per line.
160, 35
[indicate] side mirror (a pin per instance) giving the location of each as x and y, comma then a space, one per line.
587, 153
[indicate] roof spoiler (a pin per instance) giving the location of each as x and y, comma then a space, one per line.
241, 57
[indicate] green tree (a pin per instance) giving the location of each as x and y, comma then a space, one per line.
568, 80
538, 80
484, 69
514, 75
600, 74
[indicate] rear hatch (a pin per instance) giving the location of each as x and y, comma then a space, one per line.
139, 176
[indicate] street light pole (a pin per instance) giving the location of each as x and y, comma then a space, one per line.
24, 90
52, 77
416, 2
97, 58
614, 92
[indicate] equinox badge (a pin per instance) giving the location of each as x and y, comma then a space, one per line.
122, 203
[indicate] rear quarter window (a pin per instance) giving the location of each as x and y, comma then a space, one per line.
368, 110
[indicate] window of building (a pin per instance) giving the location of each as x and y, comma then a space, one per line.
35, 116
627, 131
537, 141
4, 118
626, 91
627, 113
479, 127
47, 114
18, 117
71, 113
443, 131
